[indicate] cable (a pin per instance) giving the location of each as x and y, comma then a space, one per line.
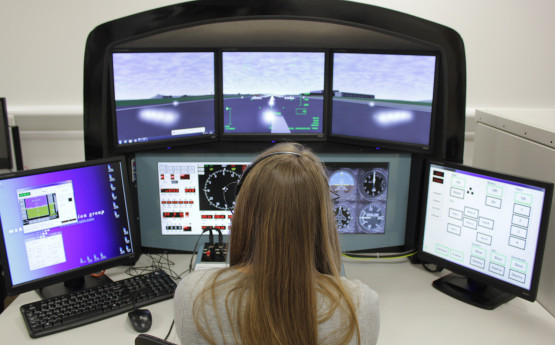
171, 327
220, 237
158, 261
379, 256
196, 247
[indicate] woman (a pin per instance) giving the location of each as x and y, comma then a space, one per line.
283, 285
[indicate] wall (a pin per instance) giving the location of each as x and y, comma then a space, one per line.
508, 46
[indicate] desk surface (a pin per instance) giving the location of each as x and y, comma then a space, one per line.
412, 312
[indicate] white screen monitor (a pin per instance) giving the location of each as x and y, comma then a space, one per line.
488, 227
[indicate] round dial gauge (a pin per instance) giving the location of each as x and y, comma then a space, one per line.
342, 183
343, 217
371, 218
373, 184
219, 188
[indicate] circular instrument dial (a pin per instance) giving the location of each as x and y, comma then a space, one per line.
342, 183
343, 217
373, 184
371, 218
219, 188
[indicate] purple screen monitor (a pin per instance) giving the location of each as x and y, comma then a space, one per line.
161, 97
273, 93
384, 98
63, 222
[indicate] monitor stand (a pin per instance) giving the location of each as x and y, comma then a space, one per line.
72, 285
472, 292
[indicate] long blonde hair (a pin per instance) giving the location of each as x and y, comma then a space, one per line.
285, 246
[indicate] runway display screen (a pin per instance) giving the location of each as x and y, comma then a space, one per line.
383, 98
269, 93
163, 96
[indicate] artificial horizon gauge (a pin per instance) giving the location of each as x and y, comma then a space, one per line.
371, 218
343, 217
342, 183
219, 188
373, 184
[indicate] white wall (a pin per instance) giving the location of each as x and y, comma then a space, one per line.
509, 50
509, 47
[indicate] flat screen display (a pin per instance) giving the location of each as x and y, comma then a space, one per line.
273, 93
182, 194
385, 99
485, 223
58, 222
163, 97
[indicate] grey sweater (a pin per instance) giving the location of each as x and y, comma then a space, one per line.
364, 298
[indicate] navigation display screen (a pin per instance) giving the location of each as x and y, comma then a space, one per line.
195, 196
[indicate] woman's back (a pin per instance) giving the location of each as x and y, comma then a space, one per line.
364, 299
283, 285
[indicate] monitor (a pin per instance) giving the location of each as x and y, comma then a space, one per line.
488, 228
59, 224
270, 95
182, 194
163, 98
384, 99
5, 146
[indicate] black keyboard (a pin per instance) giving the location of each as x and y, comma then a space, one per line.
79, 308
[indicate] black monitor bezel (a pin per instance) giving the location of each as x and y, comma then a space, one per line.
426, 257
5, 162
127, 259
163, 143
426, 150
271, 137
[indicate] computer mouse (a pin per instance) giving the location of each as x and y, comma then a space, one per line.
141, 319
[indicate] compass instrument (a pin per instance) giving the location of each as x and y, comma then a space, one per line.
219, 187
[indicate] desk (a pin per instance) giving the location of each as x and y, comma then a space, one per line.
412, 312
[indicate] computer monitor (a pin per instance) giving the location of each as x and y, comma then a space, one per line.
488, 228
182, 194
59, 224
162, 98
5, 146
384, 99
271, 95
